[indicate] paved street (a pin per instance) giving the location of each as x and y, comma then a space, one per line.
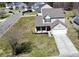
64, 45
9, 22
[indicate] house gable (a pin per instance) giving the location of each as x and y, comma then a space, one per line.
47, 18
59, 27
46, 6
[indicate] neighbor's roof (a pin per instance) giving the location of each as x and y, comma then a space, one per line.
46, 6
76, 19
37, 6
53, 12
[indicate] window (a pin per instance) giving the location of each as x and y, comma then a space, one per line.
47, 18
48, 28
43, 28
38, 28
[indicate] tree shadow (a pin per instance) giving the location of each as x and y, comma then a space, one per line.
25, 47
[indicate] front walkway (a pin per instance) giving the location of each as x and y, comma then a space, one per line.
65, 46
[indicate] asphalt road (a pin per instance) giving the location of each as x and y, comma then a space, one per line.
8, 23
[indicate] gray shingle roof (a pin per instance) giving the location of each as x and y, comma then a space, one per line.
76, 20
39, 22
56, 23
53, 12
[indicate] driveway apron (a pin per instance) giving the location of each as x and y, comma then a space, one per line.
64, 45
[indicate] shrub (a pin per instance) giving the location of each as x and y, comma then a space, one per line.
10, 12
23, 47
26, 47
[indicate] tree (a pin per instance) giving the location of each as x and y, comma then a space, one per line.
13, 41
2, 4
77, 32
2, 13
17, 45
50, 3
29, 4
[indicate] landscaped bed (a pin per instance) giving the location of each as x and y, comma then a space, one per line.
23, 31
4, 16
72, 34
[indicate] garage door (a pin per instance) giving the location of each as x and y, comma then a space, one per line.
59, 31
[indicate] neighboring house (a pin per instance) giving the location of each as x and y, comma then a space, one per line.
51, 21
37, 6
16, 5
34, 6
45, 6
76, 22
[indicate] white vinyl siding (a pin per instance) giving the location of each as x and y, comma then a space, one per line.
47, 18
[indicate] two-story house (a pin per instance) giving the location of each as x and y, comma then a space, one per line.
50, 21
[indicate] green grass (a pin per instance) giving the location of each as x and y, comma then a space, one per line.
69, 13
30, 13
23, 30
71, 31
4, 16
2, 5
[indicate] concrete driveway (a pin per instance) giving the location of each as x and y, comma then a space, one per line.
64, 45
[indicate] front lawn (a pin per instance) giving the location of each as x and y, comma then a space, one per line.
23, 31
71, 31
30, 14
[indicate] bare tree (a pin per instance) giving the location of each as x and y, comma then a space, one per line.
13, 39
16, 43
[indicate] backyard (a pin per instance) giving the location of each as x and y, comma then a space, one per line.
71, 31
23, 31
